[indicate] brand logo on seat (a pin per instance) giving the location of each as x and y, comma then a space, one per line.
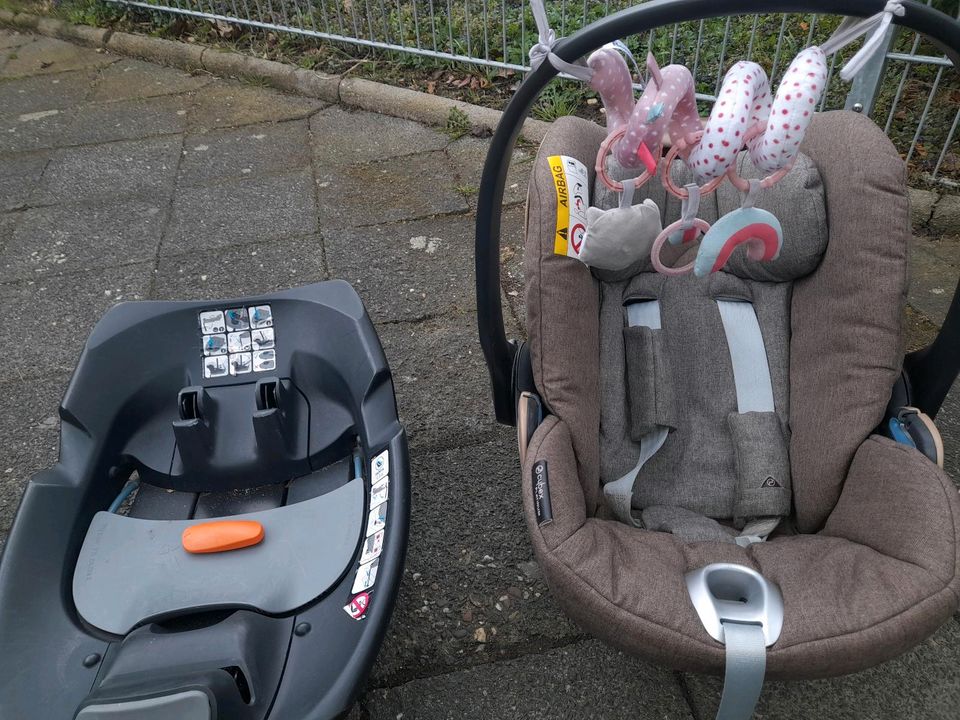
541, 493
770, 482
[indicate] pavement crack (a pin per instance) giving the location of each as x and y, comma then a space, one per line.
533, 647
167, 220
686, 694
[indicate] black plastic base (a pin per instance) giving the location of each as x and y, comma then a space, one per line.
141, 401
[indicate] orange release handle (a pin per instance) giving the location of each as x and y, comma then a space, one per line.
221, 535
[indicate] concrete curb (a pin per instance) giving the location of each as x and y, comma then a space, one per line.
352, 92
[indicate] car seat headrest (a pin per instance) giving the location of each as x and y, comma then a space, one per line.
797, 201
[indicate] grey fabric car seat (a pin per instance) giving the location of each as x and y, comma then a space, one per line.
866, 554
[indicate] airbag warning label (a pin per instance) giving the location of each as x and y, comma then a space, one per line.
571, 181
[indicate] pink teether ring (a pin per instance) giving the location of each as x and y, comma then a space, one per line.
698, 225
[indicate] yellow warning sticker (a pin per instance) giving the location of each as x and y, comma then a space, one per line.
571, 181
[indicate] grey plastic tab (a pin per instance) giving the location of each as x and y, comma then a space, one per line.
131, 570
187, 705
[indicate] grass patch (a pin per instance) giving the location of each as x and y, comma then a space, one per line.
458, 124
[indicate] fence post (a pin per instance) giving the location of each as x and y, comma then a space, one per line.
866, 84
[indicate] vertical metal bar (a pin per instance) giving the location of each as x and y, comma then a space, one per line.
523, 33
723, 56
776, 52
812, 25
402, 40
696, 57
383, 21
866, 84
466, 26
369, 15
486, 38
753, 37
450, 23
947, 143
826, 89
416, 22
503, 29
433, 26
673, 42
903, 81
923, 116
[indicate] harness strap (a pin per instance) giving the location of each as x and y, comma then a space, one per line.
746, 664
751, 372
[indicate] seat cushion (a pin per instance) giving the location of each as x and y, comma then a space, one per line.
870, 586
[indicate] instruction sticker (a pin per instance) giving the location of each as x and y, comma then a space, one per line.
377, 519
357, 607
366, 576
372, 547
378, 493
380, 466
572, 183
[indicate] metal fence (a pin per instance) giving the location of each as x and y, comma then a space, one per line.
913, 92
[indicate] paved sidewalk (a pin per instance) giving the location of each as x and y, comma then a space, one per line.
121, 180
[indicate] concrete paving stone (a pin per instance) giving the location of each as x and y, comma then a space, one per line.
230, 104
30, 436
128, 79
250, 150
34, 131
463, 580
71, 237
946, 216
127, 120
408, 270
468, 155
921, 206
243, 211
19, 175
583, 680
945, 248
932, 283
47, 320
511, 260
948, 422
47, 56
8, 222
121, 168
44, 92
13, 39
924, 683
405, 188
243, 270
443, 389
349, 137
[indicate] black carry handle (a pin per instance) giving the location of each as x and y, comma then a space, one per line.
932, 370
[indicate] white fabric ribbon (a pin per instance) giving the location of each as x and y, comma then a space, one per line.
851, 29
543, 48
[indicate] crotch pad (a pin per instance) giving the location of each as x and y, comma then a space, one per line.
618, 238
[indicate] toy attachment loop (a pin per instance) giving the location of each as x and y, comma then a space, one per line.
667, 163
699, 224
601, 165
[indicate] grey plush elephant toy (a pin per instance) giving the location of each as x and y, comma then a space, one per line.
619, 237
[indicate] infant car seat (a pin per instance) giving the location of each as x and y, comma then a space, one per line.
701, 457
